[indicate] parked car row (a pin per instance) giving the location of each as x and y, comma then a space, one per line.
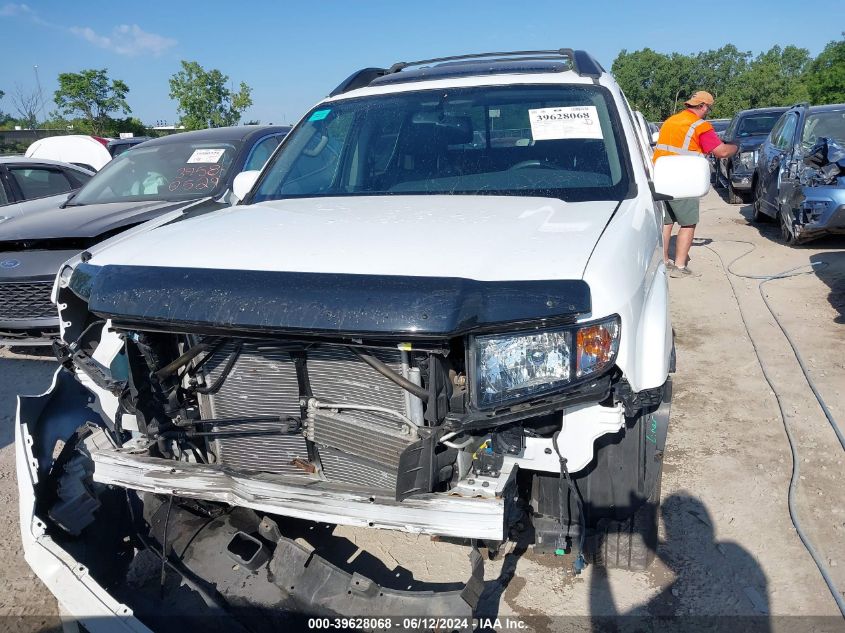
790, 166
194, 169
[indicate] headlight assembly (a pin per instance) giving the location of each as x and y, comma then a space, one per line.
510, 367
748, 159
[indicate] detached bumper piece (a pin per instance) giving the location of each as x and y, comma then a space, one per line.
319, 587
304, 498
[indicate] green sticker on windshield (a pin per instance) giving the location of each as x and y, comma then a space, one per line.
319, 115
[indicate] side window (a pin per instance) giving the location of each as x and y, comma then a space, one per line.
314, 169
775, 133
39, 182
787, 133
261, 152
77, 178
731, 131
4, 199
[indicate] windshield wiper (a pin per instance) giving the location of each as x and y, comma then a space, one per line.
69, 202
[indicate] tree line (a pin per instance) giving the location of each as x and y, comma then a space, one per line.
92, 102
657, 84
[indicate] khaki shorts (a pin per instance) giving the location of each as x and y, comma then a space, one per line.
684, 211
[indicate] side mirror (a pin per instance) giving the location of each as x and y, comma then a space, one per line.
681, 176
243, 182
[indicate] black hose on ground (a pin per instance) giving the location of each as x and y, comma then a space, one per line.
793, 481
391, 375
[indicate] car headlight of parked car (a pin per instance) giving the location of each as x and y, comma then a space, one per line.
748, 160
509, 367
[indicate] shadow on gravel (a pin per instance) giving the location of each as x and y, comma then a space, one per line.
24, 371
713, 580
833, 275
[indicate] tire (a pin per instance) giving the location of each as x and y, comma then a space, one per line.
786, 233
630, 544
758, 216
733, 196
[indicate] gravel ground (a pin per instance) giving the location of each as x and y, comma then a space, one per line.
727, 544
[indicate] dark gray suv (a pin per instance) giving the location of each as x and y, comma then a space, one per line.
748, 129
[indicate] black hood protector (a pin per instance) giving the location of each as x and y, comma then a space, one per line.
269, 302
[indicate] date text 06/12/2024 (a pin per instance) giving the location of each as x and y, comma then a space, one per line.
405, 623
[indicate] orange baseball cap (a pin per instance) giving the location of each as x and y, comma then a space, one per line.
698, 98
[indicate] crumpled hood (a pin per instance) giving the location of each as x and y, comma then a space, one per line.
487, 238
89, 220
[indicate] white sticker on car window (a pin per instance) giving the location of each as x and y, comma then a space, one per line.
549, 124
206, 155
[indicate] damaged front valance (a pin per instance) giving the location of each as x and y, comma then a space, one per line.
324, 303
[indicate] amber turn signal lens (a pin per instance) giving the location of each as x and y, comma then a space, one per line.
595, 341
596, 346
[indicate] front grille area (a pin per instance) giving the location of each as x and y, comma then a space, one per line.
26, 300
263, 382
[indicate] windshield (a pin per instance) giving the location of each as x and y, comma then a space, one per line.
169, 171
824, 124
757, 124
560, 141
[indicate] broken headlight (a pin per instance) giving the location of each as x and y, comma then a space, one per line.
512, 367
747, 160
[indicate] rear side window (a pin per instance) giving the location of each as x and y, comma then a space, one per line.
78, 178
261, 152
783, 139
39, 182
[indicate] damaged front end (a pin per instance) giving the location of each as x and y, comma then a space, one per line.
207, 425
817, 205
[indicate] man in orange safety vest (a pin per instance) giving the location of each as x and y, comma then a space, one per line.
687, 133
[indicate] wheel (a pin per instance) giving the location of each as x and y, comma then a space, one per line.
714, 175
733, 196
630, 544
757, 209
786, 233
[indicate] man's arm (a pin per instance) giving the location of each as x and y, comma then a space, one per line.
724, 150
712, 144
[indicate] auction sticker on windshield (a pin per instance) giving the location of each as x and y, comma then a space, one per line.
548, 124
206, 155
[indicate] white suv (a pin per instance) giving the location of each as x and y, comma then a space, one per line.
441, 308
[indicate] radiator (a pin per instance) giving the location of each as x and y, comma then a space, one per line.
355, 447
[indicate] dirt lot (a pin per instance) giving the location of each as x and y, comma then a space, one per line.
727, 545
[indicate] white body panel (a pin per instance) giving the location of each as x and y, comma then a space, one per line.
488, 238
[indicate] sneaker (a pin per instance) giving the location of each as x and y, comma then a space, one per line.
678, 272
670, 264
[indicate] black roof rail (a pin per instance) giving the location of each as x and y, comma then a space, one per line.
584, 64
358, 79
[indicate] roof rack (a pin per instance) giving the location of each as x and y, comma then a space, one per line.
584, 64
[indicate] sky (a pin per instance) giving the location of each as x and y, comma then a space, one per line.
293, 54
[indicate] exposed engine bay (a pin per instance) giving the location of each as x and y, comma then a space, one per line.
237, 441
